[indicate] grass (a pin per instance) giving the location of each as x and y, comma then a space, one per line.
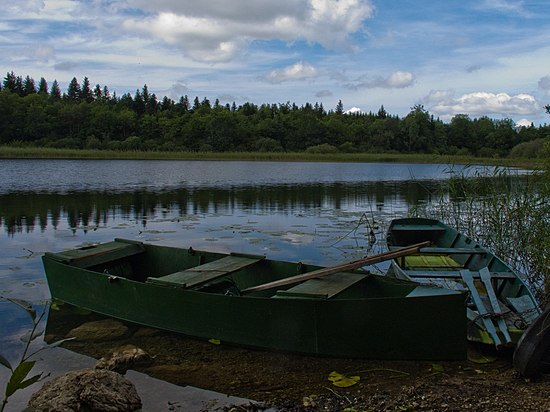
10, 152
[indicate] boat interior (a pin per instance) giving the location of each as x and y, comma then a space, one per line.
456, 262
230, 274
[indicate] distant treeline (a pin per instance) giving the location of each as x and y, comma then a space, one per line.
86, 117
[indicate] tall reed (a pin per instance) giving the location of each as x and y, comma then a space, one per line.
508, 213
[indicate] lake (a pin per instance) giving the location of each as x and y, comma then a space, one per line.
325, 213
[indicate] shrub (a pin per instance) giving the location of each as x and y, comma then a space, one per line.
324, 148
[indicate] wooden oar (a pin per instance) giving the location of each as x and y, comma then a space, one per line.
369, 260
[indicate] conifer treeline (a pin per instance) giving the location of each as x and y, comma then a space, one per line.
93, 118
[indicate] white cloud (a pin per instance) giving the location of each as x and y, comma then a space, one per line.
41, 52
512, 6
443, 103
353, 110
524, 123
23, 6
210, 31
243, 10
399, 80
396, 80
176, 90
298, 71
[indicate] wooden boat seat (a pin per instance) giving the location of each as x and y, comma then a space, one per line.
89, 256
324, 287
448, 250
453, 250
453, 274
416, 228
204, 273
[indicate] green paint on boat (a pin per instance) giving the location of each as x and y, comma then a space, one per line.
197, 293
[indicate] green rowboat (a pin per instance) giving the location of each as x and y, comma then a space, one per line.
344, 313
500, 305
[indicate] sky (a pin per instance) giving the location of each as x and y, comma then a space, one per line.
481, 58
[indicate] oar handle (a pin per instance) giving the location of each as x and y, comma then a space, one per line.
369, 260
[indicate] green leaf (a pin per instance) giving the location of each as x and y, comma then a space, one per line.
476, 356
5, 362
30, 381
25, 305
437, 368
18, 376
342, 381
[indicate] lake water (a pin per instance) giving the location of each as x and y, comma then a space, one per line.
311, 212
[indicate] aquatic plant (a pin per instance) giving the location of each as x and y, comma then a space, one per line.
19, 378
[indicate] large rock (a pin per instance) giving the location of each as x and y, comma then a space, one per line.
87, 390
100, 330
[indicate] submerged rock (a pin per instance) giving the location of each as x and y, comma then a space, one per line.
87, 390
100, 330
124, 358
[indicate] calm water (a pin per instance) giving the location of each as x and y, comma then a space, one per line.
317, 212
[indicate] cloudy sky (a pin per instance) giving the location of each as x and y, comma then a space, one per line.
481, 57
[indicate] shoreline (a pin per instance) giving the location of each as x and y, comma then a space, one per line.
8, 152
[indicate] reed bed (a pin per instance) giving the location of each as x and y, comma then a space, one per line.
29, 152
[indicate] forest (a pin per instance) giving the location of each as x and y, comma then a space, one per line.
86, 117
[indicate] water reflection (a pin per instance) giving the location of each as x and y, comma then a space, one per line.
28, 211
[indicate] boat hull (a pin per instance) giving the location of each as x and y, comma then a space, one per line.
414, 326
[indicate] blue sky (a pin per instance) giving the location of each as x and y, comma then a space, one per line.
484, 57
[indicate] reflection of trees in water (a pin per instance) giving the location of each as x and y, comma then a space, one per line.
25, 211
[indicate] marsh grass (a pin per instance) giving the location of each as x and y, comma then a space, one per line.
29, 152
509, 214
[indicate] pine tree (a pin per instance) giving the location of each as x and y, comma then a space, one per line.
86, 94
19, 89
139, 103
152, 104
9, 82
145, 94
28, 86
184, 104
196, 103
55, 92
73, 91
339, 107
166, 103
98, 93
43, 86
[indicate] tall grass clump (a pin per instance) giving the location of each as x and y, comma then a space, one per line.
506, 212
